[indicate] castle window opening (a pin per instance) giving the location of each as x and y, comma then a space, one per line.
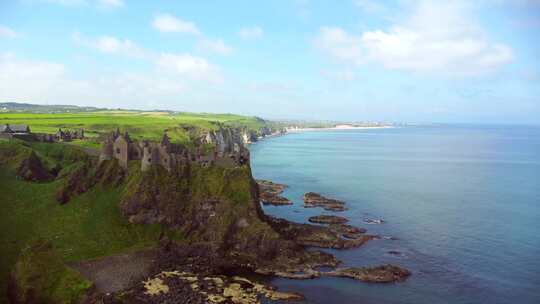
117, 150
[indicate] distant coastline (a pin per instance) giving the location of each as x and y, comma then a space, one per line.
337, 127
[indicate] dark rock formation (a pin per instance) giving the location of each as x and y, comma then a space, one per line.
328, 219
218, 207
342, 228
270, 193
32, 169
316, 236
374, 221
380, 274
312, 199
85, 175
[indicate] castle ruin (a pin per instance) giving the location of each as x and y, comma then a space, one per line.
120, 146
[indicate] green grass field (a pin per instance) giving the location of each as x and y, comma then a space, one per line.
148, 125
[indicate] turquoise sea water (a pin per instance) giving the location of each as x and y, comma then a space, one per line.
463, 201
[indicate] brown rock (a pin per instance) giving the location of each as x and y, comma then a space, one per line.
270, 193
32, 169
316, 236
347, 229
379, 274
312, 200
328, 219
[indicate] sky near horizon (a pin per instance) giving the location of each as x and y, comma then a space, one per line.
356, 60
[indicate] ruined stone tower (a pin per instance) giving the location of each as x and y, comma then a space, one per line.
106, 150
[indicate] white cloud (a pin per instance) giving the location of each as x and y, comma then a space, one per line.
192, 67
112, 45
49, 82
111, 3
250, 32
6, 32
26, 80
186, 65
214, 46
435, 37
339, 44
170, 24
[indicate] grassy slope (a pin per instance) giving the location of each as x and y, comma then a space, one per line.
89, 226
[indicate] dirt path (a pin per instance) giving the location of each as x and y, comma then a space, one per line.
117, 272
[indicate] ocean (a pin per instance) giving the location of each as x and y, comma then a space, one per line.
463, 202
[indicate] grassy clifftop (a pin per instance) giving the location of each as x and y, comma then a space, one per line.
148, 125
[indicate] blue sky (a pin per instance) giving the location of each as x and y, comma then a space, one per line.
358, 60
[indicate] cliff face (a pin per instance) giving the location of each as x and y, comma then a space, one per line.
229, 138
218, 208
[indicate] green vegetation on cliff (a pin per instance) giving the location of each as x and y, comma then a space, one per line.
89, 226
40, 276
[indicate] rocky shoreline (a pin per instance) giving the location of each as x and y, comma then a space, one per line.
208, 276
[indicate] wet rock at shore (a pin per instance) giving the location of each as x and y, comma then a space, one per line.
348, 231
343, 228
395, 252
328, 219
318, 236
312, 200
379, 274
374, 221
186, 287
270, 193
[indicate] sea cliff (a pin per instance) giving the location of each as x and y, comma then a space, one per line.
210, 216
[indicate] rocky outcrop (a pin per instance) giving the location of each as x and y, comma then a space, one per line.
312, 200
380, 274
32, 169
226, 140
85, 175
217, 207
348, 231
270, 131
228, 136
318, 236
328, 219
269, 193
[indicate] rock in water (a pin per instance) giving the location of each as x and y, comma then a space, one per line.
270, 193
328, 219
312, 199
316, 236
380, 274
